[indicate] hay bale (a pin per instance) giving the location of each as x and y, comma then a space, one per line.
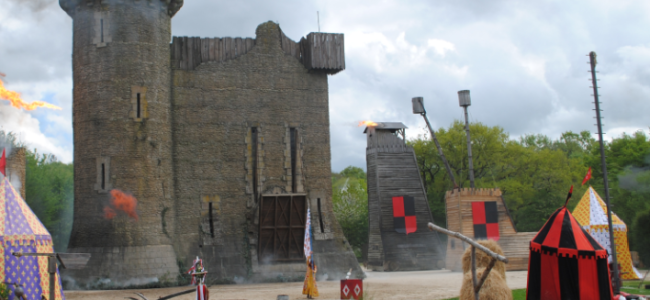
494, 287
482, 259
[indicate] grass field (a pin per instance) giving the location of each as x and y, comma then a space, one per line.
628, 287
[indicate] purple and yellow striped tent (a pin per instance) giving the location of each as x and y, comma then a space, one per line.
21, 231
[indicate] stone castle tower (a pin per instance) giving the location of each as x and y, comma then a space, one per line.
223, 141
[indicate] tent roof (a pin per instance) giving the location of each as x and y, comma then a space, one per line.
563, 235
17, 221
592, 211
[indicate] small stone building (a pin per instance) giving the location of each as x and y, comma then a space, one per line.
396, 195
225, 143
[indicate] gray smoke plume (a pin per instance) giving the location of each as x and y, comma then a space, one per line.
635, 179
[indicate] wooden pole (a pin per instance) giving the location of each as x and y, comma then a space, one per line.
474, 273
51, 268
485, 275
603, 164
468, 240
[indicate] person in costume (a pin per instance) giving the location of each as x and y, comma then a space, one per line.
198, 278
309, 288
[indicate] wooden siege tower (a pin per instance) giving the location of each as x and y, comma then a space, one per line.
470, 211
398, 210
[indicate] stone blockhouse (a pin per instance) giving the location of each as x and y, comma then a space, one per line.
225, 143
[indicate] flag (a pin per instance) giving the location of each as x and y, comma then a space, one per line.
307, 246
404, 219
3, 163
485, 218
568, 196
587, 177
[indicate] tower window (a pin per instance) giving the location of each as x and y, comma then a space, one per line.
254, 156
103, 176
101, 29
138, 107
211, 219
139, 103
320, 217
103, 183
292, 135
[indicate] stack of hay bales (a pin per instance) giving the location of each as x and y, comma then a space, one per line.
495, 286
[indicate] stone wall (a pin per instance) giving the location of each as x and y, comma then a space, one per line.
215, 106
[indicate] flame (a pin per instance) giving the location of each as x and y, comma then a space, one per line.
121, 201
367, 123
14, 98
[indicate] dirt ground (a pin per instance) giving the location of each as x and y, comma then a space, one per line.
378, 285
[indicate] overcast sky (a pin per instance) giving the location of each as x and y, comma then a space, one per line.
524, 62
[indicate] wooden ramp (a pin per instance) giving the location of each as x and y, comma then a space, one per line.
460, 218
393, 173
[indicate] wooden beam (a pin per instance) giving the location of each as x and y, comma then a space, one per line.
468, 240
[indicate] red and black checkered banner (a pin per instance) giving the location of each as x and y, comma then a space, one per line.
404, 219
486, 220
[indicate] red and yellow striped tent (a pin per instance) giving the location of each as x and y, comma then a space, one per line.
591, 213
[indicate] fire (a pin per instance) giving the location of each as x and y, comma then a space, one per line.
17, 102
121, 201
367, 123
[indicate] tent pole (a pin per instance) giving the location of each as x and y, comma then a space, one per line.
474, 283
592, 61
51, 266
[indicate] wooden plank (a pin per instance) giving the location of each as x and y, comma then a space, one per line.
219, 50
190, 54
233, 48
212, 46
205, 49
249, 44
239, 47
227, 52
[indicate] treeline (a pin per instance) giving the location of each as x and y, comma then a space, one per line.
534, 172
49, 191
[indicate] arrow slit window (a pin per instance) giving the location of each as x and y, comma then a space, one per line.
103, 183
139, 103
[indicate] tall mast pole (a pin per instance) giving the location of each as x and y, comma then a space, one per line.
418, 108
465, 101
592, 61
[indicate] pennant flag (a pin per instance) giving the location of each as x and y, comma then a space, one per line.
307, 245
587, 177
3, 163
486, 220
404, 220
568, 196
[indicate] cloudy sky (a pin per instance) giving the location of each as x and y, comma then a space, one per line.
524, 61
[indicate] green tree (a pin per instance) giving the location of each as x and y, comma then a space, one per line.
640, 234
350, 201
50, 194
533, 173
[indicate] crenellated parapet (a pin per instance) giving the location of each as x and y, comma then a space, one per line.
70, 6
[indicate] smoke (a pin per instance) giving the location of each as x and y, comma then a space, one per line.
122, 202
34, 5
635, 179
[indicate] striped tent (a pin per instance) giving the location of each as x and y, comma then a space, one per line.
591, 213
21, 231
566, 262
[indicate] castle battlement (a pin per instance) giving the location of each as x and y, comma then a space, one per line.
71, 6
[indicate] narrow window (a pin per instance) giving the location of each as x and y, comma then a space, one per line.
211, 220
453, 245
138, 106
320, 217
292, 135
103, 177
101, 29
254, 155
